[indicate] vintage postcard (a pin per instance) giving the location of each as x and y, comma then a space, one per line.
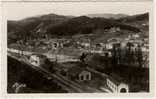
78, 47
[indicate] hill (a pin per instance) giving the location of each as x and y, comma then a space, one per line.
58, 25
107, 16
86, 25
27, 27
140, 21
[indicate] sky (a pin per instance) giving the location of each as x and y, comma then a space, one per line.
17, 11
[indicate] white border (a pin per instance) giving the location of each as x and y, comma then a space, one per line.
84, 95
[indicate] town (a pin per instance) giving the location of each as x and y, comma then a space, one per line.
78, 54
88, 66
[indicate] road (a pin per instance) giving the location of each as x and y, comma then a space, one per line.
63, 82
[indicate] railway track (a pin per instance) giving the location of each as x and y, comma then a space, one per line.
64, 81
59, 80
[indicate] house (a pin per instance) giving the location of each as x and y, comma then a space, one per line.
111, 42
145, 48
79, 73
84, 75
37, 59
135, 36
85, 45
97, 49
117, 84
146, 40
76, 73
123, 44
114, 29
108, 46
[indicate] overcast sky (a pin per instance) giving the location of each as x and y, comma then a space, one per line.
16, 11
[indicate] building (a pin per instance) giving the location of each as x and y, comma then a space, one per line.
123, 44
111, 42
78, 73
117, 85
135, 36
108, 46
145, 48
84, 75
86, 45
114, 29
75, 73
37, 59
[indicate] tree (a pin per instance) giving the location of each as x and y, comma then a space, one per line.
82, 57
116, 54
129, 53
140, 56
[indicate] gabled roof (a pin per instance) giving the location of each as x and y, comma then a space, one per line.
75, 70
116, 79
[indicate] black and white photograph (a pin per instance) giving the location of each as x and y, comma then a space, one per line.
78, 47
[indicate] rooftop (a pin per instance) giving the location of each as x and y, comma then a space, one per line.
116, 79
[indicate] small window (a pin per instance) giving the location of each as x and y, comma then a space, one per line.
81, 77
87, 76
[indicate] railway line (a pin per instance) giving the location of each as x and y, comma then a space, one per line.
62, 82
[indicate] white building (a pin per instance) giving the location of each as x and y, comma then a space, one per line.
145, 49
123, 44
86, 45
136, 35
36, 59
108, 46
114, 29
117, 86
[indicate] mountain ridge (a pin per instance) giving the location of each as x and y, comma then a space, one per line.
107, 15
59, 25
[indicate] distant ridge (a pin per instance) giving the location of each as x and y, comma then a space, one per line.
59, 25
107, 15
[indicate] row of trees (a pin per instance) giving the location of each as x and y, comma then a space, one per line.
127, 55
120, 56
